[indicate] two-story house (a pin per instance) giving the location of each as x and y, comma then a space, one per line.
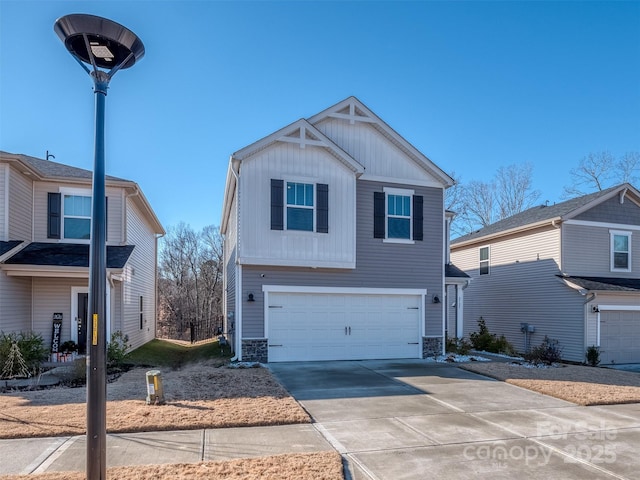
334, 242
570, 271
45, 218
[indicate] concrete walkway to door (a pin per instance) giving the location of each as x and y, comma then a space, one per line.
411, 419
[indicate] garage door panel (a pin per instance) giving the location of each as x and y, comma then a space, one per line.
619, 337
343, 326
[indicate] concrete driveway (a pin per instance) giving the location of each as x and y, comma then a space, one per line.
413, 420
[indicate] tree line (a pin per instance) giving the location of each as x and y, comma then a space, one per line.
190, 283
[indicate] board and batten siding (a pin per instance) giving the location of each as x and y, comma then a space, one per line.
587, 250
285, 161
15, 303
378, 264
115, 233
379, 155
139, 279
522, 287
20, 206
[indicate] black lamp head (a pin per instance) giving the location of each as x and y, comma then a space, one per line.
110, 43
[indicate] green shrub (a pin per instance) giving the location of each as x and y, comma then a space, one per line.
117, 349
548, 352
485, 341
31, 347
69, 346
593, 356
458, 345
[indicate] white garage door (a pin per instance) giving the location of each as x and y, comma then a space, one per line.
318, 326
619, 337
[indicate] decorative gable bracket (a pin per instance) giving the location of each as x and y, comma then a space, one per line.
303, 137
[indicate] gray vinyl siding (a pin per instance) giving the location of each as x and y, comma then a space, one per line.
20, 206
378, 264
15, 303
587, 251
139, 280
612, 211
522, 287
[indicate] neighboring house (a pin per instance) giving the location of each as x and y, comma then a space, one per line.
45, 217
334, 243
570, 271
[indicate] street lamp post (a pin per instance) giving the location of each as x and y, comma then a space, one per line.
101, 47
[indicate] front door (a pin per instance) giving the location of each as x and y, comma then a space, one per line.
83, 311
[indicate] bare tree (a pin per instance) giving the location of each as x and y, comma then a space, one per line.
482, 203
190, 275
593, 173
628, 168
514, 189
600, 170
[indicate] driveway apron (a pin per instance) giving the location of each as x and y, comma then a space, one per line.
413, 419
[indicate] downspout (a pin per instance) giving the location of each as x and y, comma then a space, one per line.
238, 299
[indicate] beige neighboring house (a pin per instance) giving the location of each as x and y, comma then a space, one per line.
570, 271
45, 210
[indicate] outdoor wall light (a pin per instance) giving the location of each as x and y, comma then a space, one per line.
436, 299
250, 298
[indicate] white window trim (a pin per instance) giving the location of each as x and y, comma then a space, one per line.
306, 181
622, 233
80, 192
488, 260
405, 193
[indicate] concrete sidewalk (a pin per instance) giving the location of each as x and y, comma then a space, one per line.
53, 454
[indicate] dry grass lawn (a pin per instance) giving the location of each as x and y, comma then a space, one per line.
311, 466
577, 384
197, 396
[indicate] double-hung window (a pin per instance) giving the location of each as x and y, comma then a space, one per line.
397, 215
620, 251
300, 206
76, 217
484, 261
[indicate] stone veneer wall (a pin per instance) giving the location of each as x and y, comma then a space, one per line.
255, 350
431, 346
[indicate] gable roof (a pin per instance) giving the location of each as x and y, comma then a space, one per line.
303, 132
354, 110
46, 170
543, 214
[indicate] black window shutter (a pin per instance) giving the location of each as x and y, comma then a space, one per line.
54, 207
277, 204
417, 217
322, 212
378, 214
106, 218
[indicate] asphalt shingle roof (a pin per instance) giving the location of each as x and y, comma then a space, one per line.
47, 168
450, 270
6, 246
605, 283
534, 215
68, 255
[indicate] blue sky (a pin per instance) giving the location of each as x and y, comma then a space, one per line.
473, 85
